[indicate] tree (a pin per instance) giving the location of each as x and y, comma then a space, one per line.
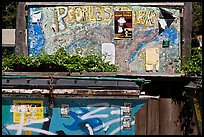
197, 18
9, 10
196, 22
194, 62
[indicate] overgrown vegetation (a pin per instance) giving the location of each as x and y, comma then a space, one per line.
194, 62
9, 11
60, 61
193, 65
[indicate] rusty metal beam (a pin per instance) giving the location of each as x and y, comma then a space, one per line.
72, 92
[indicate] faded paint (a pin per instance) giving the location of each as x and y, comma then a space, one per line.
10, 41
88, 27
85, 117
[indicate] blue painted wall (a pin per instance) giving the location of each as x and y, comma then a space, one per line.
86, 116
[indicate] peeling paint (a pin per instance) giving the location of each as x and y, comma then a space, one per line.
88, 27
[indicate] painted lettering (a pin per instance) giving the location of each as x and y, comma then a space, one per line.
146, 17
61, 13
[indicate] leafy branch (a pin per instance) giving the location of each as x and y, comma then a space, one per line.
59, 61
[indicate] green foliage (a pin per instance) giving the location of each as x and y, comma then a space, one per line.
9, 11
59, 61
197, 18
194, 62
193, 65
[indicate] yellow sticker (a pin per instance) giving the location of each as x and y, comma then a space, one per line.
26, 110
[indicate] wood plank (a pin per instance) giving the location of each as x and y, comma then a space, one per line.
153, 117
165, 116
186, 31
176, 124
140, 121
20, 34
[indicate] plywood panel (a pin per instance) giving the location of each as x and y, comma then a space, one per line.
140, 121
153, 117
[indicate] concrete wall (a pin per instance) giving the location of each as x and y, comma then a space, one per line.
91, 27
85, 116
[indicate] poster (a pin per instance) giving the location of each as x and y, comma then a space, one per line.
123, 24
31, 109
108, 49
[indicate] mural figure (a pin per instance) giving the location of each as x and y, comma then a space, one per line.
121, 26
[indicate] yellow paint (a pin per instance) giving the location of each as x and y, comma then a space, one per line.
91, 14
146, 17
78, 14
71, 15
152, 58
28, 115
122, 8
198, 114
27, 132
99, 13
107, 14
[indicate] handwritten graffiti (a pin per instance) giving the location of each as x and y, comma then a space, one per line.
146, 16
5, 130
81, 14
91, 123
87, 118
85, 124
22, 125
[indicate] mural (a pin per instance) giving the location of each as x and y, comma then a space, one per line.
70, 116
89, 27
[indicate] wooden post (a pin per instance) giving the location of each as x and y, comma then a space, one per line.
153, 117
20, 35
141, 121
187, 30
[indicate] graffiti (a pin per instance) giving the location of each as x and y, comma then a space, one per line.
81, 121
88, 118
145, 38
146, 16
88, 27
81, 14
85, 117
22, 125
5, 131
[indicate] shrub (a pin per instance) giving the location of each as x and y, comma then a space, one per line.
59, 61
